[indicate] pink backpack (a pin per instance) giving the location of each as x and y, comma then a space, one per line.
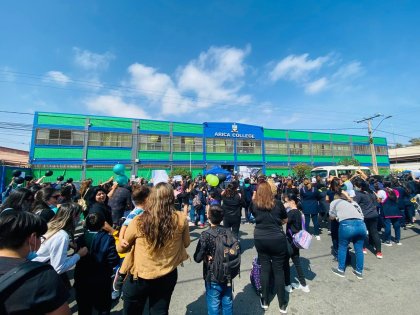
301, 239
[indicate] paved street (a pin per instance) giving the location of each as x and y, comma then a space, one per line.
391, 285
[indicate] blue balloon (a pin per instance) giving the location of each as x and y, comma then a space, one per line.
119, 169
122, 180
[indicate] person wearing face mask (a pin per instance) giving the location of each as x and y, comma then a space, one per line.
20, 199
21, 234
45, 204
57, 240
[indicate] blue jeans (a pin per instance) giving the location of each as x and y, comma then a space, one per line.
217, 294
314, 221
396, 224
351, 231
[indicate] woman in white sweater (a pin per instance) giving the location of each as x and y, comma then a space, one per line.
57, 240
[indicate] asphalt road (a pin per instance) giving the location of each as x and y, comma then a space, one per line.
390, 285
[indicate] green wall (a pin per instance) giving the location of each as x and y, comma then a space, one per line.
249, 158
76, 174
188, 128
220, 157
105, 122
185, 156
157, 156
58, 153
61, 119
106, 154
153, 125
276, 158
273, 133
279, 171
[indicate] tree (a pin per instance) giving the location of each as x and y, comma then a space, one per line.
180, 171
398, 145
348, 161
302, 169
414, 141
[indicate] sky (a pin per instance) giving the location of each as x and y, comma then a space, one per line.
304, 65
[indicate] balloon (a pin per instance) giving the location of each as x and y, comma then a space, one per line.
212, 180
70, 180
121, 180
49, 173
119, 169
221, 177
60, 178
28, 178
16, 173
19, 180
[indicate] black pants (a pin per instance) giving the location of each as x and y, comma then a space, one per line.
296, 261
97, 295
374, 239
273, 257
158, 291
233, 224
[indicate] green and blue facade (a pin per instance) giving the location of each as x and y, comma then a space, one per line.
86, 146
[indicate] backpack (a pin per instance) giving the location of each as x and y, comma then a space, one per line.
226, 262
248, 193
301, 239
14, 278
197, 201
255, 275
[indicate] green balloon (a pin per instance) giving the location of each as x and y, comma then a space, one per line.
212, 180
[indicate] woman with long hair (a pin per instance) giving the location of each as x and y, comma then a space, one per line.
45, 204
310, 196
352, 228
232, 209
57, 239
271, 244
157, 240
19, 199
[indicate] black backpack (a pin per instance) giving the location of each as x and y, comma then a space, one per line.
226, 263
14, 278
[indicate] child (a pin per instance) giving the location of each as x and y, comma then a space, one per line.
294, 225
139, 197
92, 275
216, 292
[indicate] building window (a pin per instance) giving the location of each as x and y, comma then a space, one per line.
217, 145
361, 149
341, 150
248, 146
154, 143
299, 148
187, 144
381, 150
110, 139
275, 147
323, 149
59, 137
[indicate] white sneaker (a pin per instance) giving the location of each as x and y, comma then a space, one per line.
298, 286
399, 243
289, 288
318, 238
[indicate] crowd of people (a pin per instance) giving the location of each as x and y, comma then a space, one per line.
128, 240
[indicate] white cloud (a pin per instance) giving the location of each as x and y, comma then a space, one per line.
215, 77
316, 86
114, 105
349, 70
296, 68
57, 77
92, 61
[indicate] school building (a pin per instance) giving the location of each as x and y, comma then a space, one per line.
87, 146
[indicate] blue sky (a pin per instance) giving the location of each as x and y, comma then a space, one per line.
308, 65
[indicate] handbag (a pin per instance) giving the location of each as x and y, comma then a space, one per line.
301, 239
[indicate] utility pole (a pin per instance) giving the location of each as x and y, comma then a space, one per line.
368, 120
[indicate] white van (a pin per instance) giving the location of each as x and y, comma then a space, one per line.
327, 171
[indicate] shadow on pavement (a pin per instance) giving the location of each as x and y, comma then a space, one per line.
247, 302
197, 307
